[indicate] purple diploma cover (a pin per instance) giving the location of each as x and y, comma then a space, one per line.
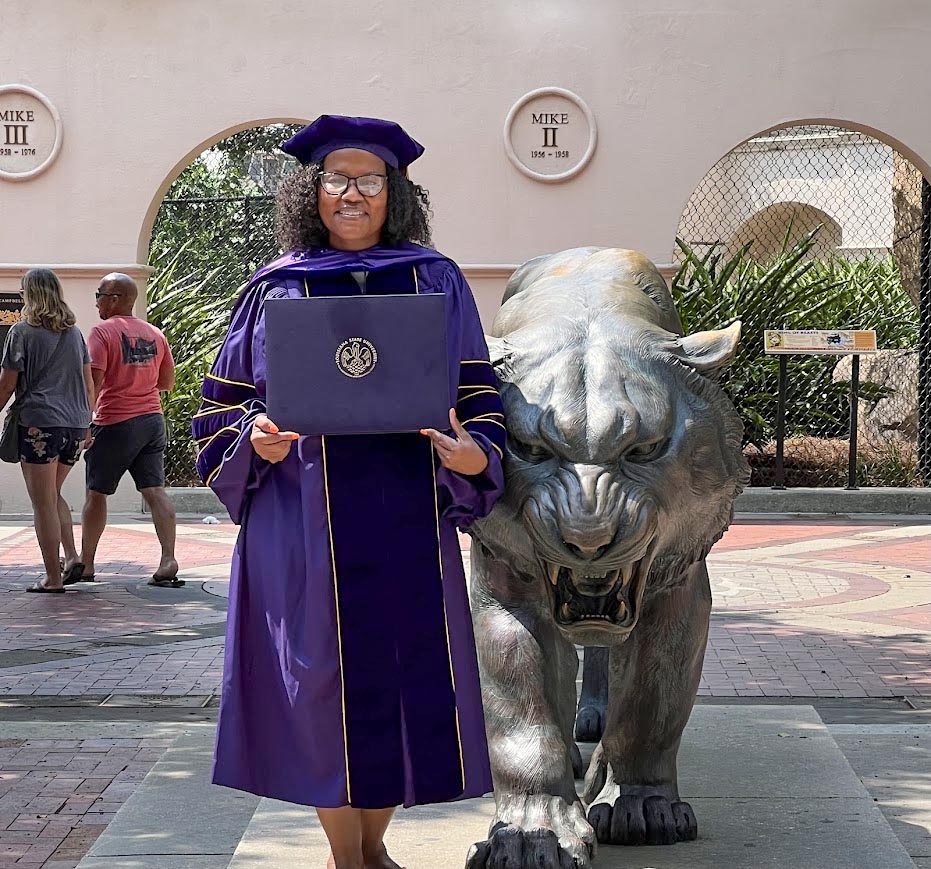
357, 364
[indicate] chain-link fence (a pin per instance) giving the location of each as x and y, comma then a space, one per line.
817, 227
214, 228
806, 228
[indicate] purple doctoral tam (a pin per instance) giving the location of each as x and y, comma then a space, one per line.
385, 139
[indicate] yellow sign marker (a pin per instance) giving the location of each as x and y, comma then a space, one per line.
841, 342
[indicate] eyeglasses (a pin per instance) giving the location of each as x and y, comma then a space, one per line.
336, 184
99, 295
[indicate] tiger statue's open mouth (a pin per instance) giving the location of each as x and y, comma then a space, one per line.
615, 607
596, 564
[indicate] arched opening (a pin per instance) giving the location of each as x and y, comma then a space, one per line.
213, 227
786, 223
186, 160
819, 225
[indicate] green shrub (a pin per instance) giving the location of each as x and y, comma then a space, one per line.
194, 318
214, 229
794, 291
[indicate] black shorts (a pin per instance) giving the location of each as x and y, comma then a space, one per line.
136, 445
41, 446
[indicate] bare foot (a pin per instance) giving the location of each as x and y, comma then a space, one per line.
46, 585
381, 861
167, 567
331, 862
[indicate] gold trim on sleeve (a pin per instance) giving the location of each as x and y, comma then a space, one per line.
215, 410
214, 436
213, 473
485, 390
231, 382
486, 418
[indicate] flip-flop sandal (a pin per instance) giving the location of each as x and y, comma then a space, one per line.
74, 574
165, 581
41, 589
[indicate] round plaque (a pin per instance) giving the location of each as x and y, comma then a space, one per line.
30, 132
550, 134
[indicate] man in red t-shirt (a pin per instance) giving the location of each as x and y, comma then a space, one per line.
131, 363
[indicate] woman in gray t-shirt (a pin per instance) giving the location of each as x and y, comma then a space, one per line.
45, 359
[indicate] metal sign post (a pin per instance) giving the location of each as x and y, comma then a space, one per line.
807, 342
854, 394
780, 480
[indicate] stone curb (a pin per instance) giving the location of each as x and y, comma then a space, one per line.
903, 502
758, 499
199, 501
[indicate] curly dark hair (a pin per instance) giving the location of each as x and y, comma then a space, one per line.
298, 225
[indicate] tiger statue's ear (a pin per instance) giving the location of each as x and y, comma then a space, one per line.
499, 353
707, 352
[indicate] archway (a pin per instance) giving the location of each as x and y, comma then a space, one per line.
213, 227
786, 223
819, 226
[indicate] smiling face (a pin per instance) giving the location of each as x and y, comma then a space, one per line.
353, 221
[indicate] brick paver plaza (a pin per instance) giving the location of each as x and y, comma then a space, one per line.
803, 609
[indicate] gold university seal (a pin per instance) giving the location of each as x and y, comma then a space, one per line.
356, 357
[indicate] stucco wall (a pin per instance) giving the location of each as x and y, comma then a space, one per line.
142, 87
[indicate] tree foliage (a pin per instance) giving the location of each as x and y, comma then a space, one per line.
214, 228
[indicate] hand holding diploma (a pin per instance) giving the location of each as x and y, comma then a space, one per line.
268, 442
461, 453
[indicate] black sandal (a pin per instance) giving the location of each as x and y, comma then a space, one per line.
38, 588
75, 573
165, 581
72, 574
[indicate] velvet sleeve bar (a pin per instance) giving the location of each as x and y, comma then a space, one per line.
233, 396
478, 407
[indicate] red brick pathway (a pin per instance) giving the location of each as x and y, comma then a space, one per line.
58, 795
802, 609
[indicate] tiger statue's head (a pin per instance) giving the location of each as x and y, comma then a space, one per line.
624, 457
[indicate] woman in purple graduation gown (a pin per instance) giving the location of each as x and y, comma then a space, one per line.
350, 679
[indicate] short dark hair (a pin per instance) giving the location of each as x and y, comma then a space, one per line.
297, 220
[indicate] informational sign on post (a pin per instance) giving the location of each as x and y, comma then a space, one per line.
806, 342
841, 342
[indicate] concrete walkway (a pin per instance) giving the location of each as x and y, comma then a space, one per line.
769, 786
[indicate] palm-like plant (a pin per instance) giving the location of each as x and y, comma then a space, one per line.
792, 291
194, 318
